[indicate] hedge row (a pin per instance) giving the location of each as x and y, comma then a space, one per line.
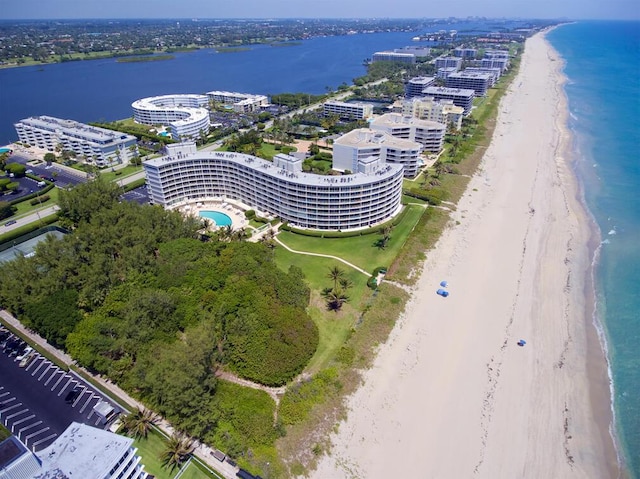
23, 230
35, 194
39, 200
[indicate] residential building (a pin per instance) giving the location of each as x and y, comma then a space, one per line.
443, 73
81, 451
478, 82
460, 97
241, 102
429, 134
449, 62
369, 196
186, 116
495, 73
465, 53
419, 52
368, 144
501, 63
98, 145
416, 85
394, 57
426, 108
348, 111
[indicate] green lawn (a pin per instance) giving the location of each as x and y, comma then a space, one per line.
193, 471
4, 433
129, 170
358, 250
333, 328
149, 450
25, 207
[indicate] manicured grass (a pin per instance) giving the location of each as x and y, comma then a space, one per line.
333, 327
25, 207
194, 472
358, 250
129, 170
149, 450
4, 433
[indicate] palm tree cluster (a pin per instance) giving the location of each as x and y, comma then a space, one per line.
337, 296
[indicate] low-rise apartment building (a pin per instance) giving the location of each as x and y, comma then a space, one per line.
460, 97
429, 134
95, 145
467, 80
241, 102
415, 86
449, 62
426, 108
393, 57
368, 144
348, 111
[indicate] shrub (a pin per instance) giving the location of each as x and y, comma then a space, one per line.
39, 200
250, 214
16, 168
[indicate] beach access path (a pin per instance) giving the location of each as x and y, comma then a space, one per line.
451, 394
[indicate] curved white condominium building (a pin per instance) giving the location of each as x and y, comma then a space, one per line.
186, 115
305, 200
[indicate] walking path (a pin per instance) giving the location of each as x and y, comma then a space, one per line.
202, 451
324, 256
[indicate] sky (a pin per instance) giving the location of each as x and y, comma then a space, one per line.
67, 9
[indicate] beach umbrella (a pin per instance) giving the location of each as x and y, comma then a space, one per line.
444, 284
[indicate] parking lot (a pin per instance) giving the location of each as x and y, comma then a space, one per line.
38, 400
138, 195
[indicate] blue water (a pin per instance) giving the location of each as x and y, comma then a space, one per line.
220, 218
104, 89
603, 69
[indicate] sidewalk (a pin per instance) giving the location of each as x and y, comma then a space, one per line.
202, 451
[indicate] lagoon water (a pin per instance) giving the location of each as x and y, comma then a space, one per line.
104, 89
603, 89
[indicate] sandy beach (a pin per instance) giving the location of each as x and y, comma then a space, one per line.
451, 394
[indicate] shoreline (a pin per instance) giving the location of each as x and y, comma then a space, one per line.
449, 393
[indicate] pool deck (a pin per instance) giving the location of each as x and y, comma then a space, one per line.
229, 208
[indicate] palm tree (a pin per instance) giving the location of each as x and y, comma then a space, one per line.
335, 274
345, 283
139, 422
176, 451
335, 299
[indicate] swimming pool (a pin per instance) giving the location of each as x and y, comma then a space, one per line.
220, 219
4, 150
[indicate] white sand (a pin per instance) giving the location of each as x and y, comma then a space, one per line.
451, 395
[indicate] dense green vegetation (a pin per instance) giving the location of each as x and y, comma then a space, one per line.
134, 295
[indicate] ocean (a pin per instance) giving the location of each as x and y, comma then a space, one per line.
603, 89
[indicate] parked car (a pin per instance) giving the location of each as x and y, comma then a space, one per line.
72, 395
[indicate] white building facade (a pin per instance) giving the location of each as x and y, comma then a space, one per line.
368, 144
460, 96
90, 143
440, 111
415, 86
394, 57
477, 81
347, 111
241, 102
186, 116
369, 196
429, 134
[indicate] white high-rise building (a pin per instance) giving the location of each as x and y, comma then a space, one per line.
367, 197
98, 145
479, 82
460, 96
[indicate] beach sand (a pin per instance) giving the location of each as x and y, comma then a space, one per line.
451, 394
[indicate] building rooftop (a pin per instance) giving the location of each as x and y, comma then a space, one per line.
363, 137
434, 90
394, 119
75, 129
82, 452
267, 168
466, 74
